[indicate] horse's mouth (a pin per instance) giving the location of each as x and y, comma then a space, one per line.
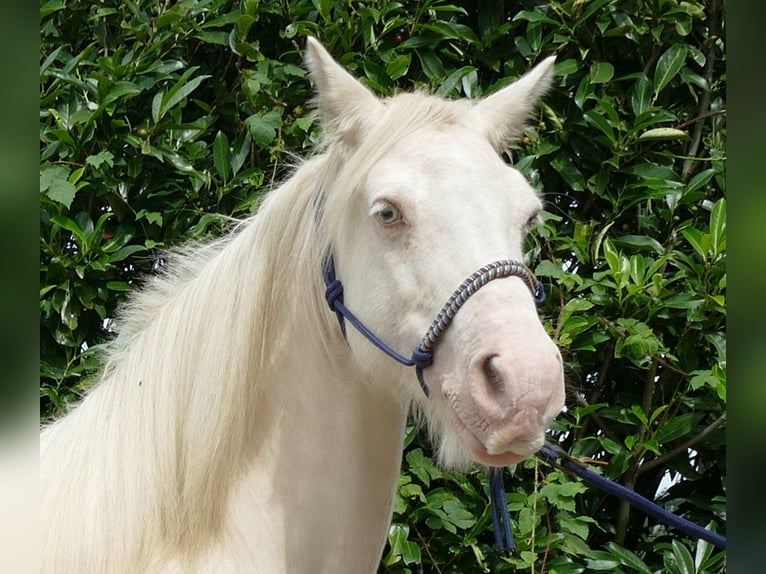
480, 452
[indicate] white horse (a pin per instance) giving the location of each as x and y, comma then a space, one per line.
235, 430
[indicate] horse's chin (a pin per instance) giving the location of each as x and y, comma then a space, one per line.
481, 456
479, 453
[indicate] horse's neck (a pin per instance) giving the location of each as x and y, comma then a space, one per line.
311, 491
317, 493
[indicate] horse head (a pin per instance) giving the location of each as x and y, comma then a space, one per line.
416, 197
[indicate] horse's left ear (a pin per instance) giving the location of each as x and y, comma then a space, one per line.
502, 116
346, 107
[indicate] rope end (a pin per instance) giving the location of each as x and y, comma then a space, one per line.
501, 519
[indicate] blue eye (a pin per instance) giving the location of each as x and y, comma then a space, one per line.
389, 214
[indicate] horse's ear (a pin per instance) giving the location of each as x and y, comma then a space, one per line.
502, 116
346, 107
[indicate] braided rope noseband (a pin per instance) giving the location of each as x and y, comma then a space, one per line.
422, 356
495, 270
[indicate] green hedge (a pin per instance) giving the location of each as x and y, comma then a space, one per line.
161, 121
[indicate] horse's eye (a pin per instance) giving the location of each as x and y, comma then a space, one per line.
506, 155
389, 214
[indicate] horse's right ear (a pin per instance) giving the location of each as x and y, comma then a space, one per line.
346, 107
502, 115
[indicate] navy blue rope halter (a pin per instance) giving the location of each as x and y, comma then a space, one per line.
422, 358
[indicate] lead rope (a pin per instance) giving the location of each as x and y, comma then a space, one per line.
501, 519
556, 456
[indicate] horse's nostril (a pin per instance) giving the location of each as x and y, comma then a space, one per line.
492, 375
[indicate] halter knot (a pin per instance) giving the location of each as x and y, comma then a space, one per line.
422, 358
333, 293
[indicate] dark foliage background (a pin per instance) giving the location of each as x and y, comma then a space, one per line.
160, 121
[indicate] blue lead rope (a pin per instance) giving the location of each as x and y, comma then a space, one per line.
501, 520
554, 455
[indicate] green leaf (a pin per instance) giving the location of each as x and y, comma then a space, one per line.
399, 66
241, 151
663, 134
263, 128
641, 96
150, 216
601, 72
584, 92
668, 66
125, 252
602, 124
450, 83
222, 156
323, 6
157, 106
702, 553
422, 466
640, 242
701, 378
562, 495
451, 30
71, 226
549, 269
48, 8
699, 180
121, 90
458, 515
683, 557
574, 525
377, 74
682, 301
639, 413
101, 158
567, 67
612, 256
602, 564
628, 558
54, 182
654, 171
569, 172
699, 241
432, 65
677, 427
401, 546
119, 286
182, 89
718, 227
